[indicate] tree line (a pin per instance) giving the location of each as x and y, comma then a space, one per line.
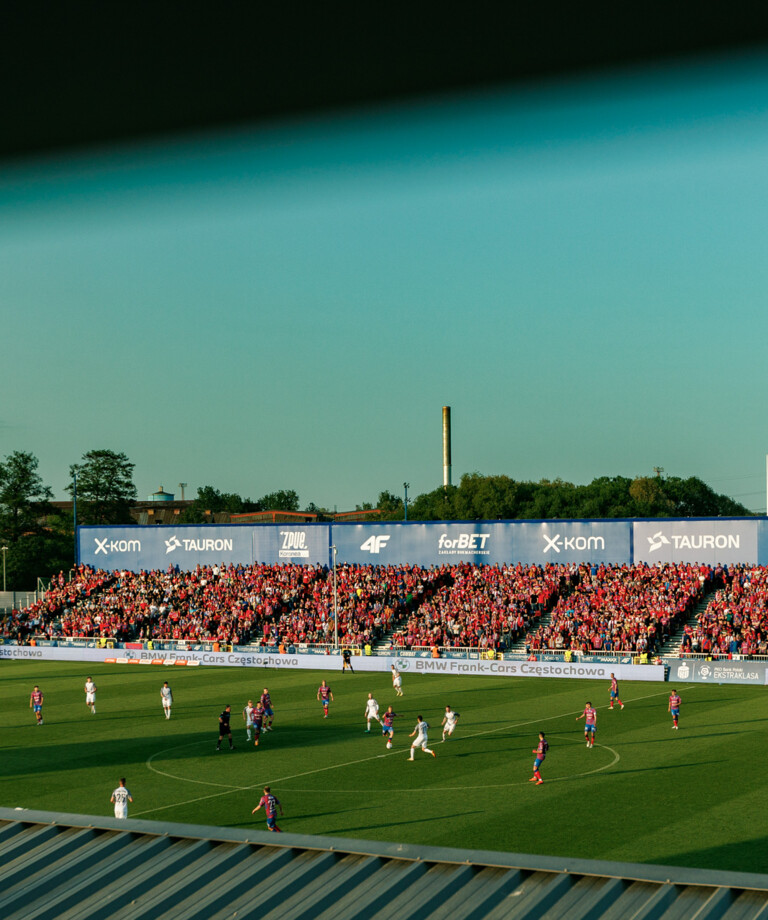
39, 539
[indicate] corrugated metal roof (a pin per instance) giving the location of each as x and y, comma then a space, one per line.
77, 866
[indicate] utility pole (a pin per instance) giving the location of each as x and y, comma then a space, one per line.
335, 605
74, 511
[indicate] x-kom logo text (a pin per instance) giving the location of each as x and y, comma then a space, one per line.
108, 546
559, 542
375, 544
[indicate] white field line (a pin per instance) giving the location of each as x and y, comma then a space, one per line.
284, 779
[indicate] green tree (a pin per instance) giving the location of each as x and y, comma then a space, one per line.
693, 498
23, 497
211, 501
38, 555
105, 489
647, 492
486, 497
391, 506
282, 500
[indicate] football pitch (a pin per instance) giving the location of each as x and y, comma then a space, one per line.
644, 793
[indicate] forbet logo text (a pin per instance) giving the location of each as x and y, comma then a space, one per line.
463, 543
375, 544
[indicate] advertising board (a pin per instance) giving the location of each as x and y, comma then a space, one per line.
135, 548
711, 541
245, 659
571, 541
725, 671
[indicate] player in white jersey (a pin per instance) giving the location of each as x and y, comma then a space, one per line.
90, 694
166, 696
248, 716
420, 740
397, 681
371, 711
449, 721
120, 799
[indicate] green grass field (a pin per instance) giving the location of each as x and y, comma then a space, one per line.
645, 793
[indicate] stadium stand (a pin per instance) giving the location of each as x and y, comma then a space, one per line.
735, 621
553, 608
627, 608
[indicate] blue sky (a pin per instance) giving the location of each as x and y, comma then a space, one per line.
576, 268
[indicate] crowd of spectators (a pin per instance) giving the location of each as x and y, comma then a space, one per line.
735, 621
233, 605
624, 608
484, 606
594, 608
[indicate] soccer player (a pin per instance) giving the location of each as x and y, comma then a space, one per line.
36, 700
371, 711
397, 681
420, 731
266, 705
674, 707
346, 663
271, 804
90, 694
258, 721
388, 724
325, 696
449, 721
225, 728
120, 799
166, 698
590, 724
248, 716
541, 753
615, 691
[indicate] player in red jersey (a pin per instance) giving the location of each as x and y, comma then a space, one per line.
257, 722
325, 696
590, 723
615, 691
36, 700
541, 752
388, 724
270, 803
266, 705
674, 707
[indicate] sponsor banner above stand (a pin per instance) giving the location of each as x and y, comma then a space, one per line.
482, 542
136, 548
282, 544
245, 659
571, 541
689, 670
712, 541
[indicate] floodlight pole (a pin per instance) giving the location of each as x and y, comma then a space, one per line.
405, 503
74, 510
335, 604
4, 550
